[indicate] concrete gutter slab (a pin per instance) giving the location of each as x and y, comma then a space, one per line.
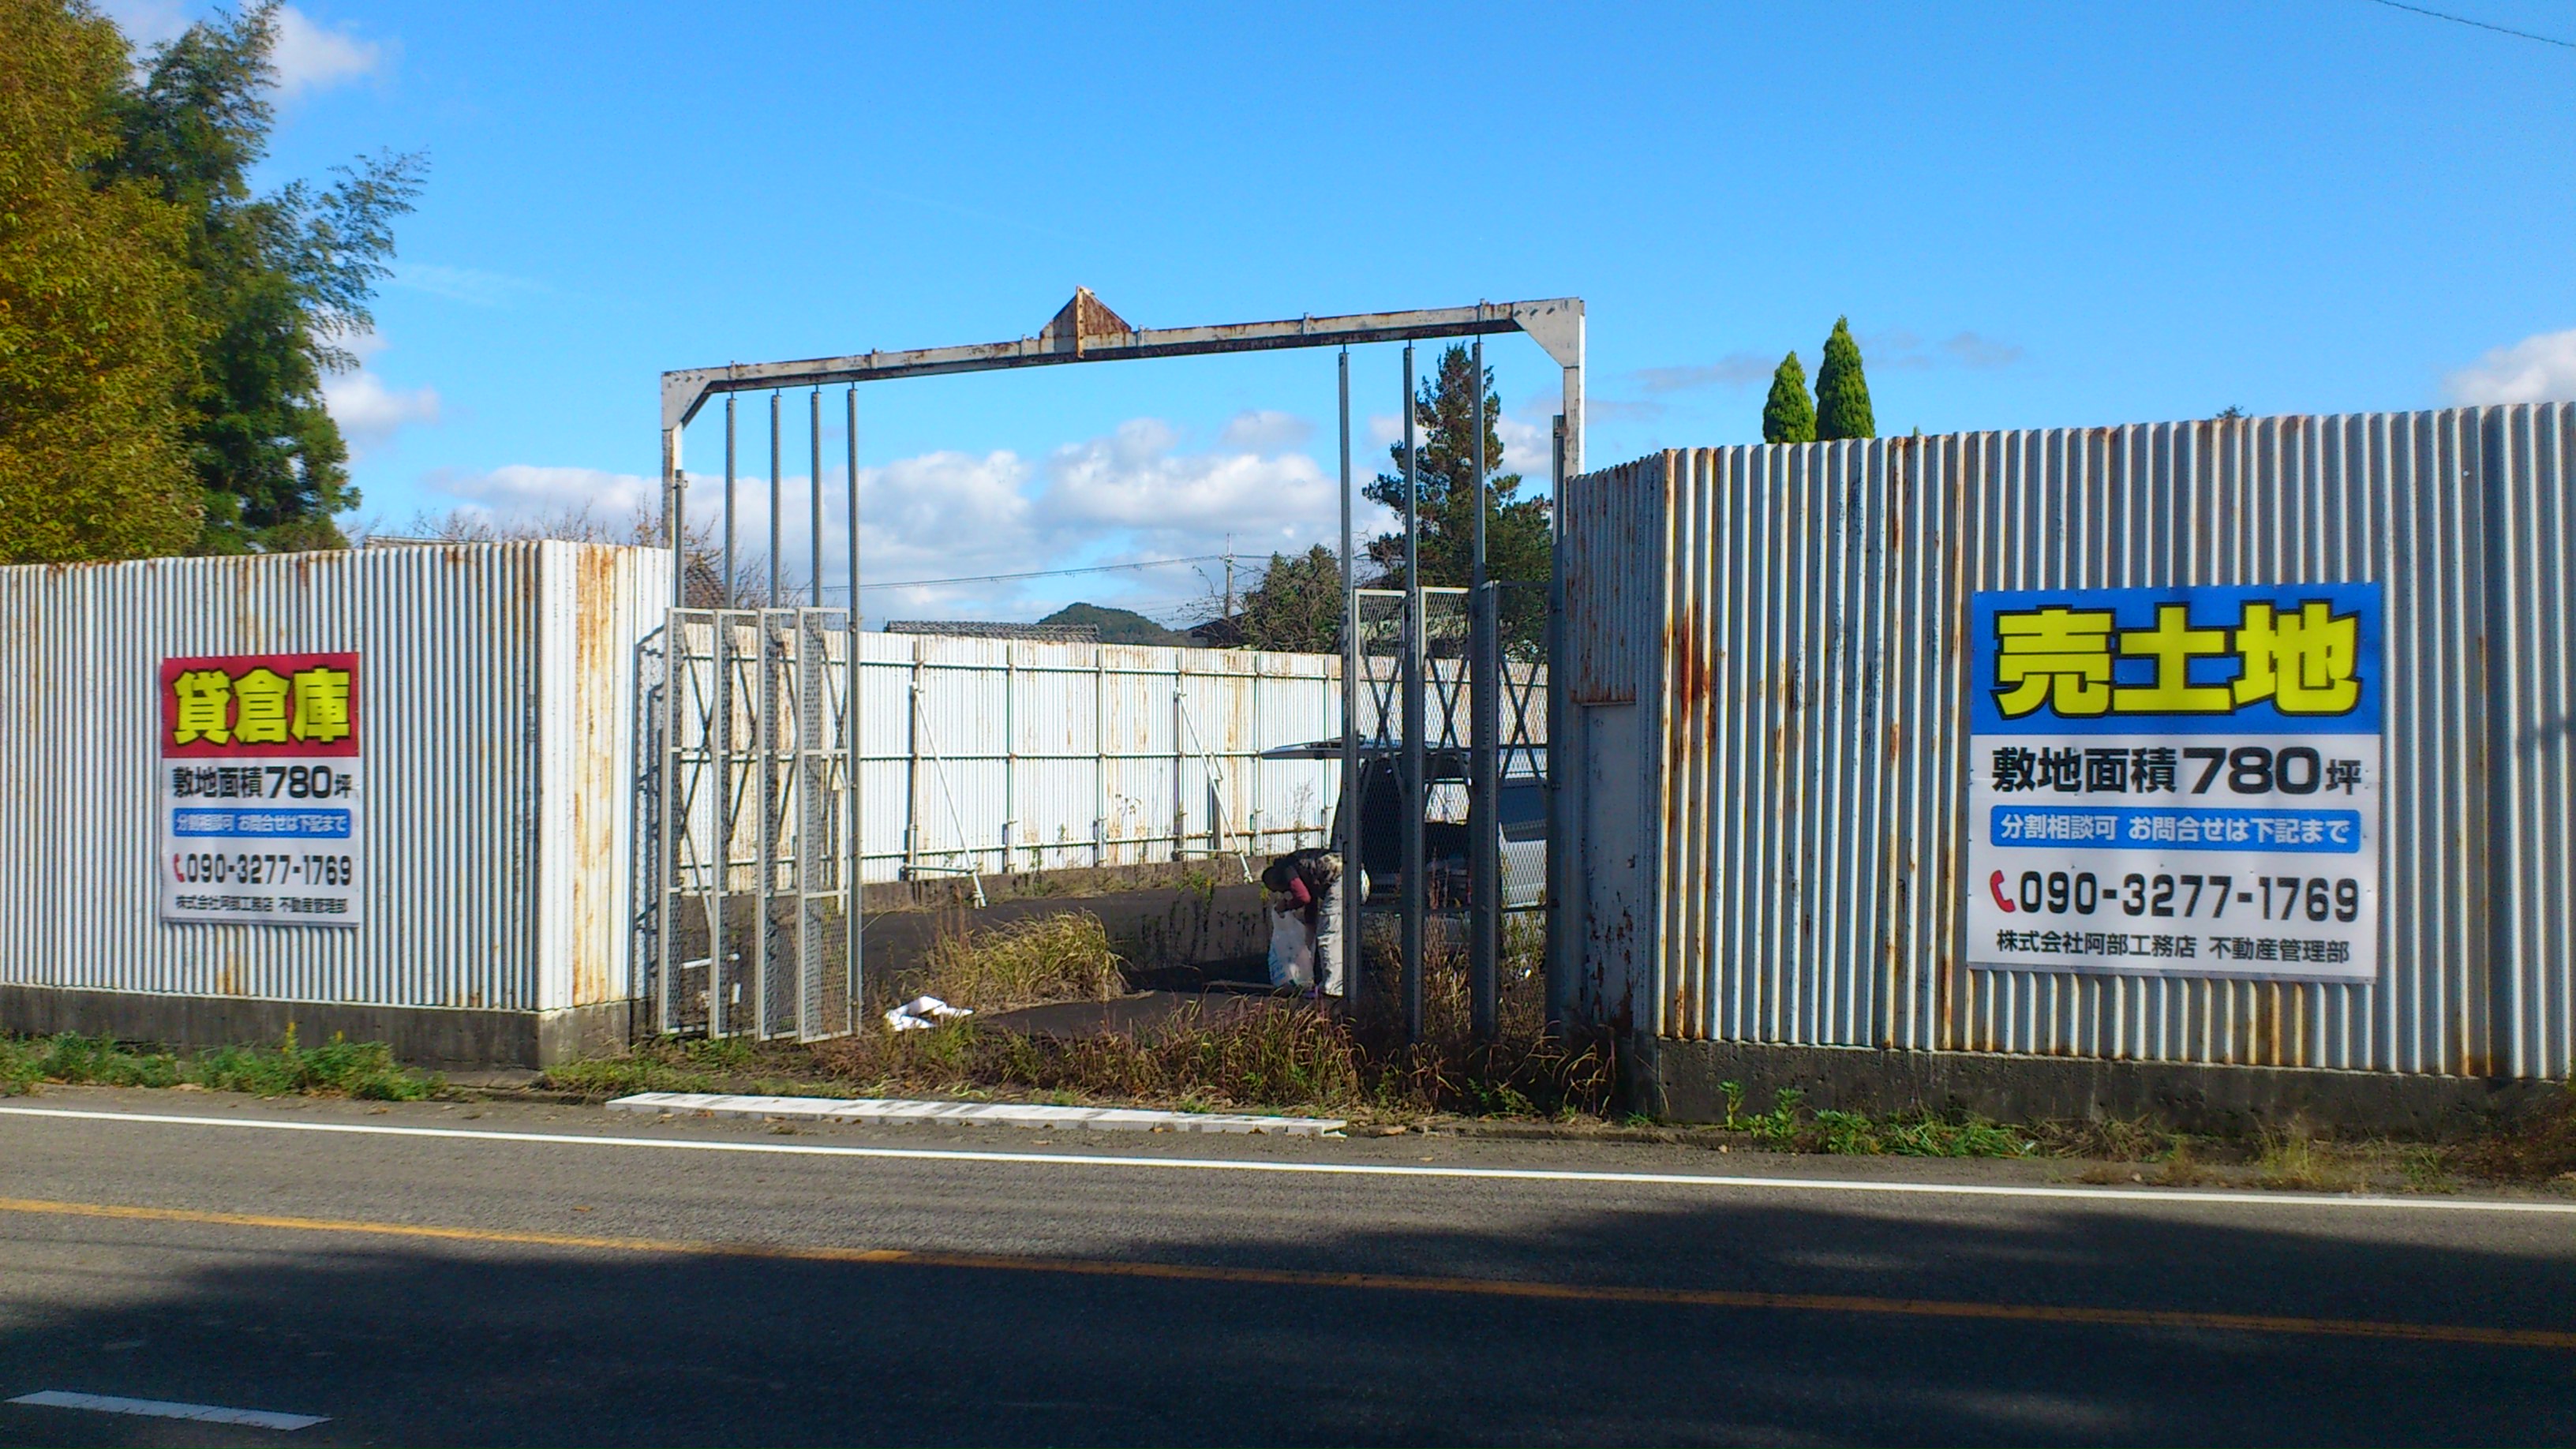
1003, 1114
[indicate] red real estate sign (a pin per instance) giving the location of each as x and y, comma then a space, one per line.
260, 704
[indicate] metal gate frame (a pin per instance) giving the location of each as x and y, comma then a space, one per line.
757, 722
1085, 330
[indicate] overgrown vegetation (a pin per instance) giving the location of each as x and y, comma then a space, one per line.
1031, 962
337, 1068
2540, 1147
1790, 1127
1234, 1053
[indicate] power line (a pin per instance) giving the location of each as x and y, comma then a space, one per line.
2480, 24
1151, 563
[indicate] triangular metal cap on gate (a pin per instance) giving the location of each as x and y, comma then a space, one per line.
1083, 320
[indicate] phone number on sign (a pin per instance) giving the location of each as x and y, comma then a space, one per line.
246, 869
2082, 893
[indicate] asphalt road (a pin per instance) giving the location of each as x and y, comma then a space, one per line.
516, 1274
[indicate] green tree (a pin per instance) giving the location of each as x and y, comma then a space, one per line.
282, 280
96, 333
1298, 604
1787, 414
1842, 394
1519, 544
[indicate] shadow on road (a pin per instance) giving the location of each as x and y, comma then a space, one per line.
461, 1343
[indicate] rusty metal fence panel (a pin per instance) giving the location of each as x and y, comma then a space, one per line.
497, 689
1805, 674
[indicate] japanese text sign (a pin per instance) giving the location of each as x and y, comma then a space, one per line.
261, 789
2176, 781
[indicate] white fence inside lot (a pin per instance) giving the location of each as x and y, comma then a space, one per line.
1013, 755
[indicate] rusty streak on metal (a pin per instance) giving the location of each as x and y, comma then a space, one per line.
1086, 330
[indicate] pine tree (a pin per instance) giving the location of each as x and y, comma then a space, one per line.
1518, 542
1842, 394
1787, 415
1298, 605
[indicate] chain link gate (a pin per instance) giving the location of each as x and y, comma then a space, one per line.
758, 840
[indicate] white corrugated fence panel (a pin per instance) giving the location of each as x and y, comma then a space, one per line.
494, 880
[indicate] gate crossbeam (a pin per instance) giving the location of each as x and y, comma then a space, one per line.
1087, 331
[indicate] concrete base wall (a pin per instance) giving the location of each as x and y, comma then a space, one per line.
1684, 1079
423, 1036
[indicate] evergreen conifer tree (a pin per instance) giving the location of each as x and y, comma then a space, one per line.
1842, 394
1787, 415
1517, 542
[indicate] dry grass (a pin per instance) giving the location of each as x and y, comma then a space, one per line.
1025, 963
2111, 1139
1275, 1054
2540, 1147
2290, 1157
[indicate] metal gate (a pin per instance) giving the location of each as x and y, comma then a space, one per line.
701, 849
759, 841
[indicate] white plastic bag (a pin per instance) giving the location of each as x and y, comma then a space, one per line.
923, 1012
1292, 950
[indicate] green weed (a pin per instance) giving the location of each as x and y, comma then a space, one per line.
339, 1067
1790, 1127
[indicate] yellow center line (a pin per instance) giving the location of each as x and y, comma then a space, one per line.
1307, 1278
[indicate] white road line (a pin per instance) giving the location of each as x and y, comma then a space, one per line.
1340, 1169
164, 1409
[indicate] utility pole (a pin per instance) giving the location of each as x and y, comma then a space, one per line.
1229, 578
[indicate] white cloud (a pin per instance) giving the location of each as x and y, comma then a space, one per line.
310, 58
524, 492
147, 23
370, 413
2539, 368
1528, 448
1265, 432
1131, 495
1132, 479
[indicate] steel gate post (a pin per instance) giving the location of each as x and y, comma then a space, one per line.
1484, 730
1416, 889
674, 500
1349, 842
853, 816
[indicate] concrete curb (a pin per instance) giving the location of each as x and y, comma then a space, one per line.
884, 1111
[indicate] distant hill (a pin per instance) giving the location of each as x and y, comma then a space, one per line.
1119, 626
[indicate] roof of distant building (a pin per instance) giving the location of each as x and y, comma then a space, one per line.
983, 629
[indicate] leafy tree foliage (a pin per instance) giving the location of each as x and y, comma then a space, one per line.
1519, 544
1298, 604
1787, 414
96, 332
1119, 626
281, 280
1842, 394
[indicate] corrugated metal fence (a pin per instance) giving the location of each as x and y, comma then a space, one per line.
1066, 755
498, 730
1791, 622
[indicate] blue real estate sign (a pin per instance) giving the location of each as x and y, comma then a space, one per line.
2176, 781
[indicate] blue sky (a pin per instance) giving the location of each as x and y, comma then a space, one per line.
2033, 215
